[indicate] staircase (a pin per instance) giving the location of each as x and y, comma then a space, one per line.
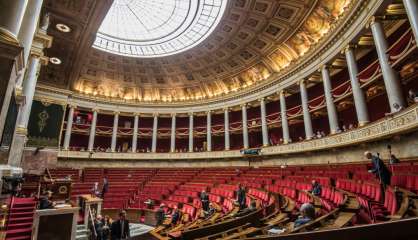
19, 225
82, 233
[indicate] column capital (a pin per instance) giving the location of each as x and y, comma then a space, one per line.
302, 82
243, 105
208, 112
95, 109
173, 114
137, 114
226, 109
350, 46
116, 113
190, 114
155, 114
261, 99
373, 20
72, 105
326, 66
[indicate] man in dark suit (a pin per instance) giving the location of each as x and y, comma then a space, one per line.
120, 228
241, 194
204, 198
105, 187
380, 170
176, 216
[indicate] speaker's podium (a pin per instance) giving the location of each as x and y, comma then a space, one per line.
58, 223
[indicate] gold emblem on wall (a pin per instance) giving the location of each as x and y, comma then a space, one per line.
43, 117
63, 189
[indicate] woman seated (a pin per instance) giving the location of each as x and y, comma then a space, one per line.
307, 212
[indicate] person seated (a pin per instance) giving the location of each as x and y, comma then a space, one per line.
316, 188
210, 211
307, 214
160, 215
45, 201
396, 108
412, 97
175, 216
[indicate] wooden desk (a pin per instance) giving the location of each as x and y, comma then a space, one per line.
55, 224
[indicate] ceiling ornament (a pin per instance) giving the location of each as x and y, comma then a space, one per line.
254, 41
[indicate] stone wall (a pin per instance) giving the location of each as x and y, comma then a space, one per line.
404, 147
35, 162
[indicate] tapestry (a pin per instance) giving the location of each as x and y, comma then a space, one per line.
45, 124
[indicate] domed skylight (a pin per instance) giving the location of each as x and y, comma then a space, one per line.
154, 28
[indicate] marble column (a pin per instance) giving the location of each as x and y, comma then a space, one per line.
244, 126
190, 132
114, 132
92, 131
135, 133
283, 116
305, 108
154, 133
173, 133
390, 76
358, 94
27, 31
11, 13
411, 7
20, 134
69, 128
264, 126
226, 127
329, 99
208, 131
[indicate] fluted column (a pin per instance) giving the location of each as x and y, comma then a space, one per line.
154, 133
20, 134
11, 13
114, 131
329, 99
190, 132
92, 131
358, 94
411, 7
283, 114
390, 76
244, 126
69, 127
264, 127
305, 108
226, 127
173, 133
135, 133
27, 31
209, 131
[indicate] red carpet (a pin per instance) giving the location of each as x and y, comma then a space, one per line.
20, 221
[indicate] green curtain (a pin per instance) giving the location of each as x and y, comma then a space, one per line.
45, 124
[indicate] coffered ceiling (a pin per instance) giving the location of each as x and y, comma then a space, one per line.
255, 39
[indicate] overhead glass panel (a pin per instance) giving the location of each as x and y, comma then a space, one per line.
154, 28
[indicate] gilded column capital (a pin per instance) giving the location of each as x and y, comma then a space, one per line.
116, 113
136, 114
173, 114
190, 114
243, 105
155, 114
72, 105
373, 20
282, 92
95, 109
350, 46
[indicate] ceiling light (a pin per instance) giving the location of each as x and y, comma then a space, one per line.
55, 60
63, 28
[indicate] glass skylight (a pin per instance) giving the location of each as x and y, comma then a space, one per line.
154, 28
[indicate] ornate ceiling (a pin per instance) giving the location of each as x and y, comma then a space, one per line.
255, 39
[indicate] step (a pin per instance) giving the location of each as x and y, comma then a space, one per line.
18, 209
18, 238
18, 232
20, 219
19, 225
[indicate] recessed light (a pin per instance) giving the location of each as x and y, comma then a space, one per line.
63, 28
55, 60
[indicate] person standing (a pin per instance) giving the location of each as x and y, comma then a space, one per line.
176, 216
204, 198
120, 228
105, 187
241, 196
380, 170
